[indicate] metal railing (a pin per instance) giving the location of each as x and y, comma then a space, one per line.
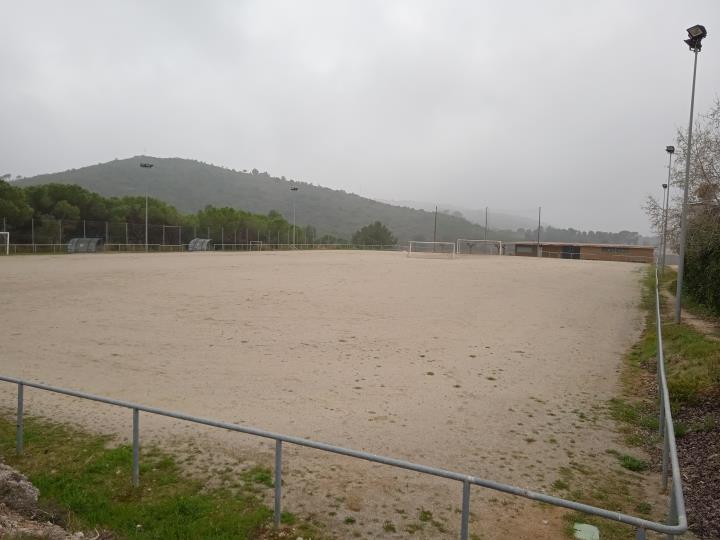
677, 519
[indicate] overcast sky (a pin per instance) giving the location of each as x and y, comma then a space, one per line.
506, 104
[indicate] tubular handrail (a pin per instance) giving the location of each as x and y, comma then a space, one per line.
677, 500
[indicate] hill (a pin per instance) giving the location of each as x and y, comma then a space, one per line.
190, 185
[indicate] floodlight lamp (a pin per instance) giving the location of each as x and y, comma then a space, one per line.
293, 188
697, 31
670, 149
696, 34
146, 165
664, 186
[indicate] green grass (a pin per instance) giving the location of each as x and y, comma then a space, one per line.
632, 463
692, 360
87, 484
669, 282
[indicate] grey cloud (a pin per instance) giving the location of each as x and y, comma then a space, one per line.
512, 105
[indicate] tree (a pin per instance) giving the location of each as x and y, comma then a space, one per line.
704, 181
373, 235
13, 206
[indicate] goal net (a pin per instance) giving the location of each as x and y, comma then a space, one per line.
5, 242
466, 246
431, 249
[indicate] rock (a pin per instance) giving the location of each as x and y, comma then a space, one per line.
16, 491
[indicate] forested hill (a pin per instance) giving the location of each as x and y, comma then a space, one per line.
191, 185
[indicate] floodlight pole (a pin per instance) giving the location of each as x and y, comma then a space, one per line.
538, 240
147, 189
293, 189
683, 219
486, 208
666, 209
663, 239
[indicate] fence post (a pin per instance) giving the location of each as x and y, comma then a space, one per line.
278, 481
107, 232
136, 448
464, 525
126, 235
665, 452
640, 535
19, 435
672, 514
60, 227
179, 235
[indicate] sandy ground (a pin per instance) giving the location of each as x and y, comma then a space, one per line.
479, 365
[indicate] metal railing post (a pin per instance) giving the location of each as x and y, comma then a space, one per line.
665, 452
672, 514
19, 435
136, 448
464, 524
278, 481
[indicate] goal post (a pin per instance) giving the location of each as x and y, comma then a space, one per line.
256, 245
466, 246
431, 249
5, 239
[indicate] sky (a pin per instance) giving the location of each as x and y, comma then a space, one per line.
512, 105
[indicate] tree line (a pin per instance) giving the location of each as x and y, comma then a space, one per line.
54, 212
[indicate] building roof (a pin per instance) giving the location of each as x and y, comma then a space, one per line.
581, 244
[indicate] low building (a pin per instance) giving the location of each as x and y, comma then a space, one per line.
591, 252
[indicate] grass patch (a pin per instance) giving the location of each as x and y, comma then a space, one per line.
559, 485
632, 463
89, 485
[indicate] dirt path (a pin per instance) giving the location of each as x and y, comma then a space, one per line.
707, 327
481, 365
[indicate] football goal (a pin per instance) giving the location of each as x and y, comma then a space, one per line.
431, 249
466, 246
256, 245
5, 239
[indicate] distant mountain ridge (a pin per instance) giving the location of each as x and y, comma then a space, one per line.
190, 185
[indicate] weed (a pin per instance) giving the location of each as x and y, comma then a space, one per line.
633, 464
643, 508
389, 527
425, 515
560, 485
259, 475
349, 520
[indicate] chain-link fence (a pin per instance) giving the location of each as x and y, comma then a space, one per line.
50, 235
